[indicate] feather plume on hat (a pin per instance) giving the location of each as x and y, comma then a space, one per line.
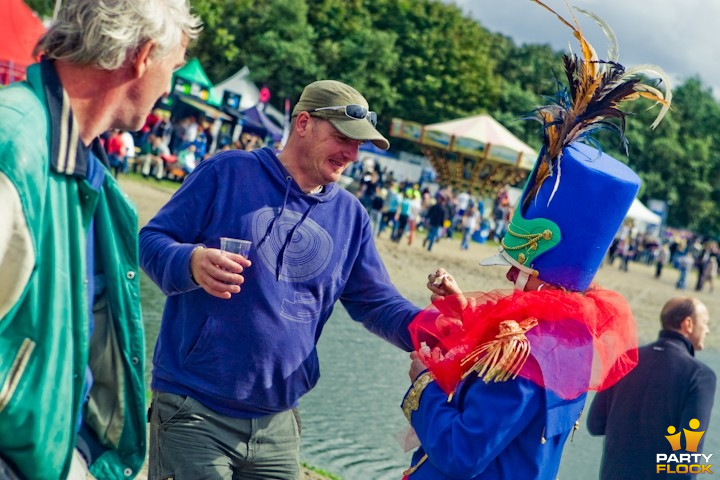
595, 90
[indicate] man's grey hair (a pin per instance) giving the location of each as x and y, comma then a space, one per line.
102, 33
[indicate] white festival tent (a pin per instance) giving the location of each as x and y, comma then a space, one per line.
640, 213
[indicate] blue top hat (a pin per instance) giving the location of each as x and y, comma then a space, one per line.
577, 197
563, 233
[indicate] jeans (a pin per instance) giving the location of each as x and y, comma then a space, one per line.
433, 234
681, 283
375, 220
188, 441
387, 219
466, 239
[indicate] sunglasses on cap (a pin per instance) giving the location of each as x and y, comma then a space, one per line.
356, 112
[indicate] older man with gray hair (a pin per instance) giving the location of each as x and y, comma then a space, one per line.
72, 391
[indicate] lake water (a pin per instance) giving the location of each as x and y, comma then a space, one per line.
350, 419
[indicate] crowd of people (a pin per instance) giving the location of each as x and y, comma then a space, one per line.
684, 253
498, 379
404, 208
169, 148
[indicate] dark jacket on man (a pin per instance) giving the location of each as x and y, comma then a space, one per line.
668, 388
437, 214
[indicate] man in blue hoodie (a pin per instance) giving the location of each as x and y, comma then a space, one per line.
236, 348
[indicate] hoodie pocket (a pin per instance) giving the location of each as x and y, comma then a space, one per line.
202, 352
12, 368
214, 357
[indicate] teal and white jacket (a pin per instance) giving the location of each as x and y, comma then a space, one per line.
48, 207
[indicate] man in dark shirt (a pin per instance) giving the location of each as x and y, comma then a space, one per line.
436, 216
643, 415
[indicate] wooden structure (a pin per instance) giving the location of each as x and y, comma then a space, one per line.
474, 154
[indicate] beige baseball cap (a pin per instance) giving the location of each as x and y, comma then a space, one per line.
331, 93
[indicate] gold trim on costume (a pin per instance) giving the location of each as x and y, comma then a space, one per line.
412, 469
412, 400
500, 359
532, 239
576, 426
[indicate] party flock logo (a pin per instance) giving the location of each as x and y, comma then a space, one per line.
684, 463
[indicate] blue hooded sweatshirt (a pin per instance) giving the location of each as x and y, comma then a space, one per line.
254, 354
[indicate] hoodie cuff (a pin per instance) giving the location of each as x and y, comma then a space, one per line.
199, 247
182, 272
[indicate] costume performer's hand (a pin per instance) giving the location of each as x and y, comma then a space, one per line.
416, 366
217, 272
442, 284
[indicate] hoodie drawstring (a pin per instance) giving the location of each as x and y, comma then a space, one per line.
289, 237
271, 225
288, 240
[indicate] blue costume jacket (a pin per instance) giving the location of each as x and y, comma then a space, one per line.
505, 430
505, 427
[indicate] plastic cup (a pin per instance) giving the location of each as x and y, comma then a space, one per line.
234, 245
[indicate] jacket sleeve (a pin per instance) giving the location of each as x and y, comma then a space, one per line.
371, 298
462, 444
17, 254
699, 400
598, 414
167, 241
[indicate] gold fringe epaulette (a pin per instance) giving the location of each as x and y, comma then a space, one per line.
412, 399
500, 359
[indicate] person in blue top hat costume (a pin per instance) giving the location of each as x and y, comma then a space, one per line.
500, 378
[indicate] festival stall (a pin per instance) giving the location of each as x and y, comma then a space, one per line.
474, 154
191, 81
239, 92
255, 121
193, 94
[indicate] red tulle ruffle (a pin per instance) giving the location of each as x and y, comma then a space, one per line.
583, 341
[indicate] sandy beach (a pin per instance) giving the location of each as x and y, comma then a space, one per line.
409, 266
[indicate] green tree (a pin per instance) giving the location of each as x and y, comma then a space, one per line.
272, 38
514, 105
43, 8
679, 162
695, 107
529, 75
445, 69
534, 68
352, 50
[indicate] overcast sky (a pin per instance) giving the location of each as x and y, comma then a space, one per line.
679, 36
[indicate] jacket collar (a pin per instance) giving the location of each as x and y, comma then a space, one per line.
679, 338
68, 155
